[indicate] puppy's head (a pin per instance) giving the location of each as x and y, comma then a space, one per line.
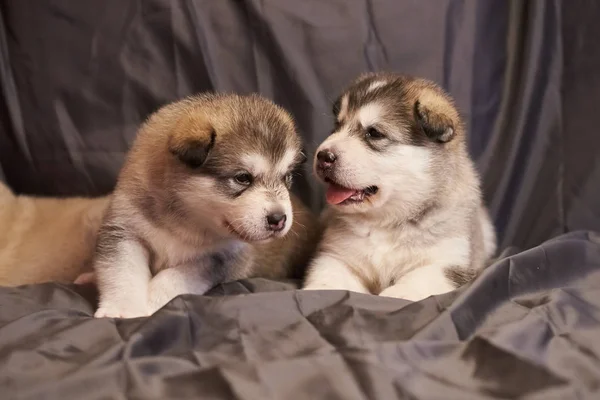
393, 140
230, 165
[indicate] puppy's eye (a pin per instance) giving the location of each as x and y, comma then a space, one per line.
243, 178
373, 133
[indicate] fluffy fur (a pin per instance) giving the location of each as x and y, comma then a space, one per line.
193, 202
46, 239
411, 223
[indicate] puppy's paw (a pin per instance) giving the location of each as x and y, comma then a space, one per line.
158, 296
155, 305
172, 282
122, 310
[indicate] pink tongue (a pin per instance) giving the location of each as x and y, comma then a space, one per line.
336, 194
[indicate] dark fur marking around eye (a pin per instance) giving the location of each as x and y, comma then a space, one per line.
374, 139
225, 183
243, 178
234, 192
373, 145
374, 134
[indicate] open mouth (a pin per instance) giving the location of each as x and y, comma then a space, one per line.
340, 195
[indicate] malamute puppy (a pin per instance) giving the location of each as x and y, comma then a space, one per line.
204, 197
405, 216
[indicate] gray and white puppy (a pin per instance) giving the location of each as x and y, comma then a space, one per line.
405, 216
203, 198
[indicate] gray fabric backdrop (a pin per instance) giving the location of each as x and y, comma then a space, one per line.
79, 76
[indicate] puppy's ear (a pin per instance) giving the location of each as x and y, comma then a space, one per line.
192, 140
435, 121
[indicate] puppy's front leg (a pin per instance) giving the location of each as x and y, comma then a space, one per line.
329, 273
420, 283
122, 275
172, 282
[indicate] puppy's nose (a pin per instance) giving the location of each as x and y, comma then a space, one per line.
276, 221
325, 158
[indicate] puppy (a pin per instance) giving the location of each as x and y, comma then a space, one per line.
46, 239
405, 216
203, 198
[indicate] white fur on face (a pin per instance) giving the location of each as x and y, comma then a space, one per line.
376, 85
247, 213
257, 164
401, 172
204, 205
284, 164
406, 180
369, 114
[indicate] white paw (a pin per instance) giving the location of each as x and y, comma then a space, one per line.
121, 310
158, 297
155, 304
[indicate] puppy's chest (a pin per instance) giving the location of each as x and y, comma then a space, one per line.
166, 255
168, 251
387, 254
217, 258
390, 252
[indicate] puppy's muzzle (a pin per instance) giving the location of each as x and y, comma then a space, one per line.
325, 160
276, 222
